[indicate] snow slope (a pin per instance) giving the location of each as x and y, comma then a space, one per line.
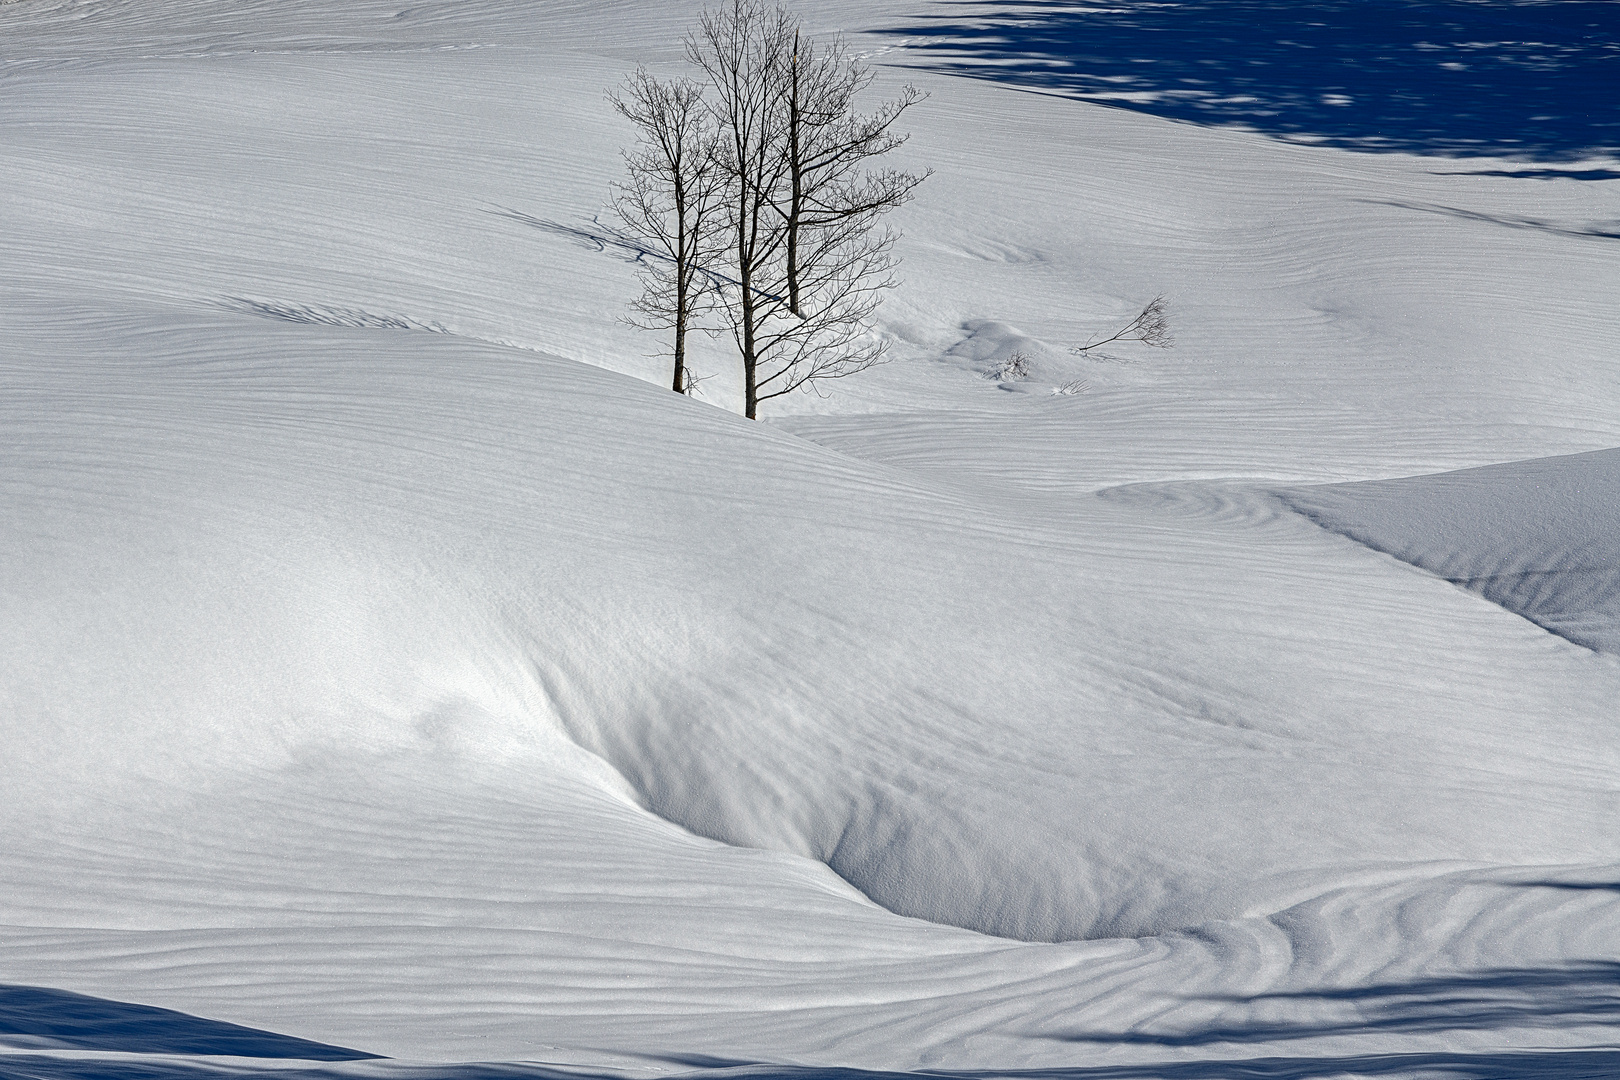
382, 671
1538, 537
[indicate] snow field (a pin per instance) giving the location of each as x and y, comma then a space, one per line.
378, 672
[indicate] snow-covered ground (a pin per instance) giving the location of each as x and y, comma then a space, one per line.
387, 662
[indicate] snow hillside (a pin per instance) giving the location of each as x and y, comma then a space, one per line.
391, 668
1538, 537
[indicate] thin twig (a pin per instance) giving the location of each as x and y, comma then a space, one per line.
1151, 327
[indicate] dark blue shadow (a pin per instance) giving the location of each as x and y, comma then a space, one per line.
1584, 994
1578, 993
1511, 78
1590, 231
37, 1017
1540, 174
1573, 886
1539, 1065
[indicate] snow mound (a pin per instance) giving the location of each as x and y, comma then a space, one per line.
1539, 537
251, 541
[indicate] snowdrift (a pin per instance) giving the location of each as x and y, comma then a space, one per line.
1541, 537
278, 541
387, 662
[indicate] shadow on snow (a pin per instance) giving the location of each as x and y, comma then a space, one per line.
1589, 231
1515, 78
1540, 1065
1506, 998
36, 1017
156, 1044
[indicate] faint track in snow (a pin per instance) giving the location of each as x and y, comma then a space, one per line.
324, 315
1228, 503
1591, 230
321, 315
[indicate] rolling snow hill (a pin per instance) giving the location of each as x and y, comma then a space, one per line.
396, 681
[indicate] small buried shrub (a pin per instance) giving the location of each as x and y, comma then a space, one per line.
1010, 369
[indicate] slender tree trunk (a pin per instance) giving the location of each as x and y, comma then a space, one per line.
682, 277
679, 385
749, 359
670, 203
797, 196
751, 404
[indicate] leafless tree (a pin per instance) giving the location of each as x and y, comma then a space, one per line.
742, 49
843, 276
810, 263
671, 204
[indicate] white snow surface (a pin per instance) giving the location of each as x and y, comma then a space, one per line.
386, 660
1540, 537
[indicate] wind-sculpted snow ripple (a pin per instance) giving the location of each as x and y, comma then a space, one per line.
1225, 504
409, 537
409, 692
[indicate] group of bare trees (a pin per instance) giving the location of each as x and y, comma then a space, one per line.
751, 189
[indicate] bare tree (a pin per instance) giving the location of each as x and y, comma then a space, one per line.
843, 275
743, 49
671, 204
809, 260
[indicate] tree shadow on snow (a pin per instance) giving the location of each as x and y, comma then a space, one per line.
1584, 994
1517, 78
1589, 231
1577, 994
1541, 1065
37, 1017
1540, 174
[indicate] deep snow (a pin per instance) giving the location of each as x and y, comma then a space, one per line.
382, 671
1539, 537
